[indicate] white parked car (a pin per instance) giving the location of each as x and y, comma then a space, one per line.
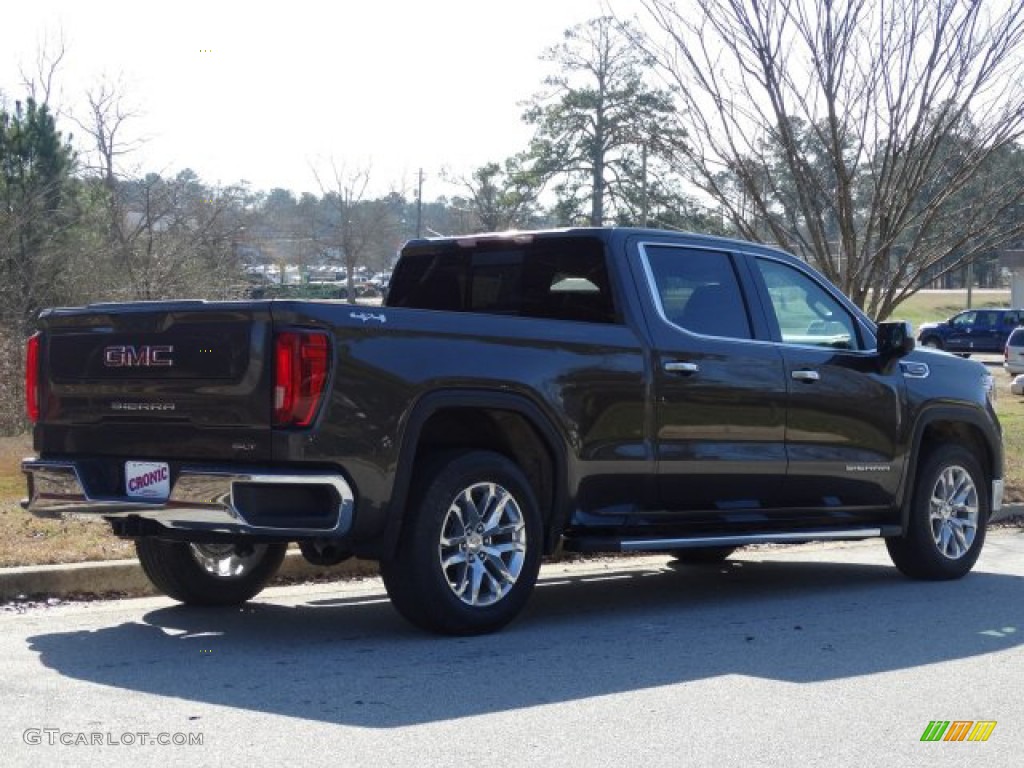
1013, 354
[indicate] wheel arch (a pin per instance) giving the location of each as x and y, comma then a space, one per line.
951, 424
507, 423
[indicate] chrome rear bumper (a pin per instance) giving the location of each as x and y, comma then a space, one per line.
202, 498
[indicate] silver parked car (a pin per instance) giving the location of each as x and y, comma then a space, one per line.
1013, 354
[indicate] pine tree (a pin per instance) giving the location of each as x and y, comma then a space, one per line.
37, 209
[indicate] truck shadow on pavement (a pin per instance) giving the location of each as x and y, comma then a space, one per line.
354, 661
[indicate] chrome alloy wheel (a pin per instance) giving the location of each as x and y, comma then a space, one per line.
483, 544
953, 512
228, 561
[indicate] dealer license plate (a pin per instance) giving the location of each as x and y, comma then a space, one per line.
147, 479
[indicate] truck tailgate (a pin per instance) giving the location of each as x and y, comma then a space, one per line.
167, 380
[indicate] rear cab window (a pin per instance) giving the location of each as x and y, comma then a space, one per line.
554, 278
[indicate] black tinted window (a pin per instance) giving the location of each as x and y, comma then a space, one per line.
987, 320
698, 290
558, 278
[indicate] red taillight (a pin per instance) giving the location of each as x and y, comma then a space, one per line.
32, 378
301, 364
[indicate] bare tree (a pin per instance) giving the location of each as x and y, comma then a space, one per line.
166, 237
41, 82
105, 124
354, 222
868, 137
175, 238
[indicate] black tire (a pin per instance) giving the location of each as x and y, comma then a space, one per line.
176, 569
933, 342
703, 555
948, 517
440, 528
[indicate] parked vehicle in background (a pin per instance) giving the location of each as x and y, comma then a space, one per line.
974, 330
593, 390
1013, 353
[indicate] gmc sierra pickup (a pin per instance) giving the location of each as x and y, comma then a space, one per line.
517, 394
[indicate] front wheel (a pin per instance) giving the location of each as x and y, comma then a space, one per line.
949, 512
470, 549
932, 342
209, 574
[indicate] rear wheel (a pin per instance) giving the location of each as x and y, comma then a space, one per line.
470, 550
702, 555
209, 574
949, 512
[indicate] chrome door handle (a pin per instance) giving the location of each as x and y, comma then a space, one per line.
681, 367
807, 376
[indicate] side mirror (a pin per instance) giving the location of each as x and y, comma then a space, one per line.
895, 340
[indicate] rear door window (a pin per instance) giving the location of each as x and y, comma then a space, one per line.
986, 320
698, 290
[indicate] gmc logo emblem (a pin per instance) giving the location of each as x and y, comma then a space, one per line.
146, 356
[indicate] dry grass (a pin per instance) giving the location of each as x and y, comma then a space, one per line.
27, 540
1011, 416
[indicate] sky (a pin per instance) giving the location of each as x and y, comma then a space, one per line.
261, 91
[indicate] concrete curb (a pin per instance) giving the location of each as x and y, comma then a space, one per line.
125, 577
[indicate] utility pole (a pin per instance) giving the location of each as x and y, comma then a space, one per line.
644, 204
970, 281
419, 204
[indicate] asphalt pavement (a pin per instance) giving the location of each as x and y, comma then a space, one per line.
814, 655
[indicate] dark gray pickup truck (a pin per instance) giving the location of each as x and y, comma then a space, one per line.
584, 389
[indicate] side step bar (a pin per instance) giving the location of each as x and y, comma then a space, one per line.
646, 544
